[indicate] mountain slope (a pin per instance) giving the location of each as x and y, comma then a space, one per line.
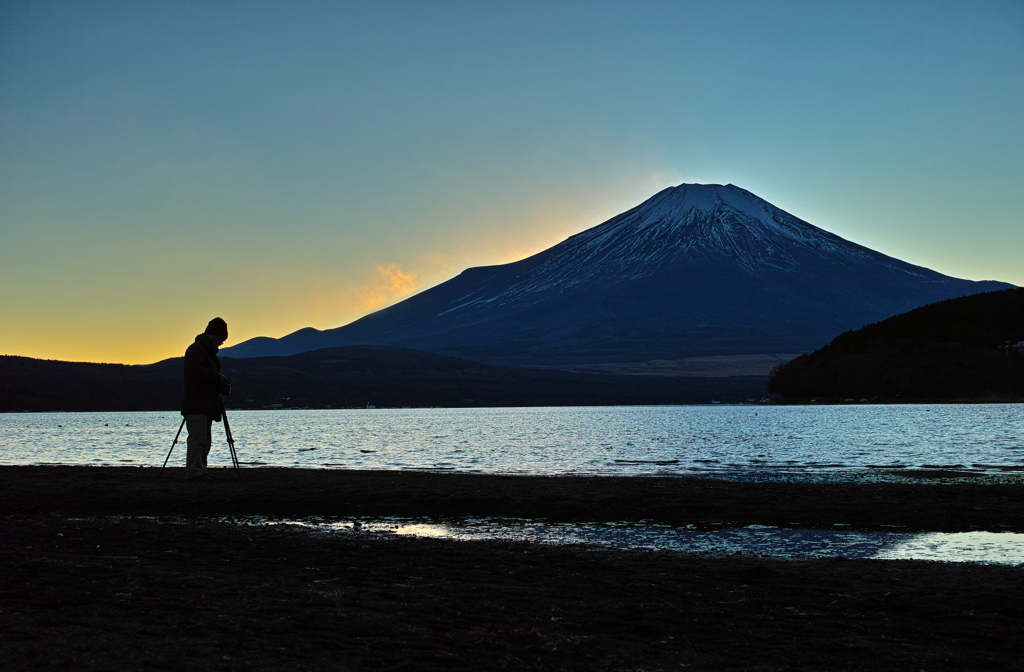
694, 270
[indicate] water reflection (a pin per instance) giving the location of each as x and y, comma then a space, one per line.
1004, 548
787, 544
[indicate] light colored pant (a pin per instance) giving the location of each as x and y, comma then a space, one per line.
199, 440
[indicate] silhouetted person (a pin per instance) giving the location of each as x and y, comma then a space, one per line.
200, 400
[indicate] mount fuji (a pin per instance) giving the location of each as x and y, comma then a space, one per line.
696, 270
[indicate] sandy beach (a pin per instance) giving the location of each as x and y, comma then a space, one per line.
931, 501
113, 568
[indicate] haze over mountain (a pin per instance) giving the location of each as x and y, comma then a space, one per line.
695, 270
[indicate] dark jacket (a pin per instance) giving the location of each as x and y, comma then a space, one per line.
202, 390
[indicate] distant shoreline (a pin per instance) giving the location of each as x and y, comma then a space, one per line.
834, 401
772, 402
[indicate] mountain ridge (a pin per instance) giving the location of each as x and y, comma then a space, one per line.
347, 377
694, 270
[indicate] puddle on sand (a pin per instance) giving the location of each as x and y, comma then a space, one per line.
1004, 548
788, 544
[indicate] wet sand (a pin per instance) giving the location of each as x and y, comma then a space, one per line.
927, 504
88, 584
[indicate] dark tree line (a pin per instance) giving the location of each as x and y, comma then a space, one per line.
954, 349
348, 377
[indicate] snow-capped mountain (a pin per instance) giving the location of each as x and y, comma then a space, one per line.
694, 270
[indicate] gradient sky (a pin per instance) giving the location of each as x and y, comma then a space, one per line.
293, 164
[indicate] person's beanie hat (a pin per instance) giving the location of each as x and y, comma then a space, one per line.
217, 327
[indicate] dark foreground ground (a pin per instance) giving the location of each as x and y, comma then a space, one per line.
83, 588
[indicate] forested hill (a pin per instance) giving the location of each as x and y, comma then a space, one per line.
351, 376
954, 349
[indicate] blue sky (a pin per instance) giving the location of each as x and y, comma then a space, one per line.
299, 164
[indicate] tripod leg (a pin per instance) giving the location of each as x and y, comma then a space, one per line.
173, 443
234, 459
231, 440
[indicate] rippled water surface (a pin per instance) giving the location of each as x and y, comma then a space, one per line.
761, 441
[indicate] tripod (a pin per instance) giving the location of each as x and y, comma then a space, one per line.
231, 443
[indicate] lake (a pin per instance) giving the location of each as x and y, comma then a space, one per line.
747, 442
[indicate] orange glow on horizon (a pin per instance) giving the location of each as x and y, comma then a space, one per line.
137, 315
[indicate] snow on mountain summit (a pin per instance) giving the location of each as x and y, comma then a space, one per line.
710, 218
692, 224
